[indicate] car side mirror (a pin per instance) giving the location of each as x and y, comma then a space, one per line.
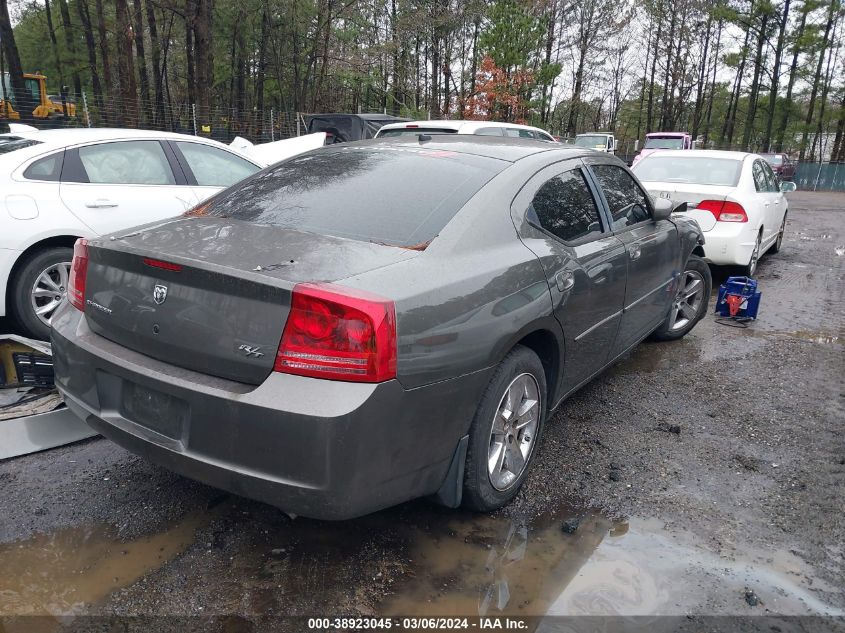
788, 187
663, 209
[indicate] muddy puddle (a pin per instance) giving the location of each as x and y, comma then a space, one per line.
434, 561
64, 572
489, 566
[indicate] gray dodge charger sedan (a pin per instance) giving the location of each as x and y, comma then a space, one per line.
369, 323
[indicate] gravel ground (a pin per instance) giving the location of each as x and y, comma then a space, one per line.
730, 442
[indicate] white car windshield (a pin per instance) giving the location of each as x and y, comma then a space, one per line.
699, 170
664, 143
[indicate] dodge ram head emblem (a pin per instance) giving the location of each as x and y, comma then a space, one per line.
159, 294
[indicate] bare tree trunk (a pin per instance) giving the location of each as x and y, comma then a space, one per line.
753, 94
23, 104
54, 43
204, 66
143, 76
70, 43
702, 79
837, 155
793, 75
642, 86
155, 46
91, 46
712, 93
733, 104
650, 116
773, 89
816, 78
125, 66
104, 48
823, 101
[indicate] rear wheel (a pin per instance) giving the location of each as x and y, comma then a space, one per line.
38, 288
505, 431
776, 246
751, 267
690, 303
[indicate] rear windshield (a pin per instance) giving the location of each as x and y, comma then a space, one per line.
414, 131
774, 159
11, 143
398, 196
698, 170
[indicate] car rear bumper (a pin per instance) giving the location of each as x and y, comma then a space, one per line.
729, 243
318, 448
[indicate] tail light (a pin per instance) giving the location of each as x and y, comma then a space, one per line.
78, 271
339, 334
724, 210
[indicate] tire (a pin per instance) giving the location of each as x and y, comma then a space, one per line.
691, 308
751, 267
49, 261
775, 248
521, 373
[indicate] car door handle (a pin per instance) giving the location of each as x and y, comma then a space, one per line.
635, 251
101, 203
564, 280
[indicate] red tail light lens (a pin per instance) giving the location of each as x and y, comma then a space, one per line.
724, 210
78, 272
339, 334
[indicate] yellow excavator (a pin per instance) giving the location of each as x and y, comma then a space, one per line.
46, 106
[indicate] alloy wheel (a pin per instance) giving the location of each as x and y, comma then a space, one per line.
513, 431
688, 300
755, 257
49, 290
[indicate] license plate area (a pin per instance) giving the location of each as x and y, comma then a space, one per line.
154, 410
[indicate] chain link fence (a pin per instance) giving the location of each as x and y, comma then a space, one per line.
217, 122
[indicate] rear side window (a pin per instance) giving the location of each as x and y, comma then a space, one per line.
126, 163
49, 168
565, 207
772, 185
759, 174
489, 131
628, 203
519, 133
387, 194
214, 167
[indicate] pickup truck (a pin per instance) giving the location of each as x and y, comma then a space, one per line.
600, 141
664, 140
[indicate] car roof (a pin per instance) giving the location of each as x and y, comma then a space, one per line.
377, 116
457, 124
72, 136
505, 148
703, 153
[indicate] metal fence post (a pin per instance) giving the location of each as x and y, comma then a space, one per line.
297, 124
272, 126
194, 116
818, 175
85, 109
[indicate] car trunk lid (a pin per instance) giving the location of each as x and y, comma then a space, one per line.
211, 294
692, 194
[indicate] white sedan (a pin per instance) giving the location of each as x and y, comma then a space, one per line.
59, 185
734, 196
